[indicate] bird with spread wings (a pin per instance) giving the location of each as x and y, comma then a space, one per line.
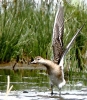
57, 39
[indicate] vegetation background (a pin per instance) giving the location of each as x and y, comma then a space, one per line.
26, 31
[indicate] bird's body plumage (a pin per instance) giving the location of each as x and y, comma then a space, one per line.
55, 72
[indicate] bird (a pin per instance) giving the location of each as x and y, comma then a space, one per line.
55, 67
55, 72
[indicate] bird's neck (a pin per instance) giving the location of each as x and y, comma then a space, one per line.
48, 64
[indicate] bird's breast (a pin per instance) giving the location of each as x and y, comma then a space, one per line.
54, 80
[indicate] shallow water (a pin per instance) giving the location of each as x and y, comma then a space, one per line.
31, 84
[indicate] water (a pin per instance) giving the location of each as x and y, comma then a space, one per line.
33, 84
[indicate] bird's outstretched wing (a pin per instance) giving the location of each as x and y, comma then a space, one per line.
57, 39
71, 42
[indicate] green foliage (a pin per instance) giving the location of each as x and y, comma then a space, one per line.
27, 30
24, 29
74, 19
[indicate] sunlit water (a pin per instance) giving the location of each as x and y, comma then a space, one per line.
29, 84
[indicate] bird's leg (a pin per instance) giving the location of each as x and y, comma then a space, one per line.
59, 91
51, 89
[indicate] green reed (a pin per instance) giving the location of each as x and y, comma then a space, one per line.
24, 29
27, 30
74, 19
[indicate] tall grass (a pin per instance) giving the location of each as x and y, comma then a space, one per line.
74, 18
24, 30
27, 30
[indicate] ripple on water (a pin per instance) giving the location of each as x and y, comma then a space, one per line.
36, 87
35, 95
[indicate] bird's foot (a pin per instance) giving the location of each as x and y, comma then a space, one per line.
53, 93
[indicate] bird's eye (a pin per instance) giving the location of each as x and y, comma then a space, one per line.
38, 58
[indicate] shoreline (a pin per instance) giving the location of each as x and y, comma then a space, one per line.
21, 66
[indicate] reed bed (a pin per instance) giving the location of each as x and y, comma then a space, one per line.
26, 30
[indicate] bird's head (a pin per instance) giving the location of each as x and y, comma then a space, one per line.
38, 60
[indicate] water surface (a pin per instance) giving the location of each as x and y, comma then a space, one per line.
33, 84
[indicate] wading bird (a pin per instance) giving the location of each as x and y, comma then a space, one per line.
55, 67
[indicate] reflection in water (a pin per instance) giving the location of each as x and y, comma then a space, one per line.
34, 84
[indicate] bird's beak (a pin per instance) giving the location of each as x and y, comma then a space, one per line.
33, 62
